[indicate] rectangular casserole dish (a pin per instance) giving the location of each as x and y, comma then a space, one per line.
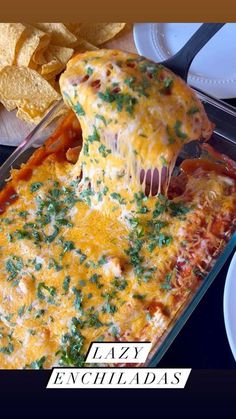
224, 140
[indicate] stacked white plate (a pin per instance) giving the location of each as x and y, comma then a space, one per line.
214, 68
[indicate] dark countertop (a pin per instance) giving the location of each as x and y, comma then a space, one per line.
202, 343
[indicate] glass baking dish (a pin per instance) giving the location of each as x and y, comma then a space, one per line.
223, 139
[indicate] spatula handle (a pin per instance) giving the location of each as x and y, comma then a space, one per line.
182, 60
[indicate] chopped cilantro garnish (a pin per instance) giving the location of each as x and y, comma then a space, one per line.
163, 161
94, 279
39, 313
66, 284
177, 129
167, 284
118, 197
38, 364
54, 264
103, 150
71, 346
35, 186
193, 110
140, 198
178, 208
139, 296
7, 349
51, 237
23, 214
120, 283
93, 321
122, 100
167, 85
89, 71
102, 260
38, 266
86, 149
9, 237
94, 136
109, 308
101, 117
86, 194
83, 257
68, 246
78, 298
21, 310
45, 292
78, 109
13, 266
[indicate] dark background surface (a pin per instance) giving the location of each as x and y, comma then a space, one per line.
202, 343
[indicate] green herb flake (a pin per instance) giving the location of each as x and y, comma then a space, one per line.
86, 149
102, 118
66, 284
177, 129
38, 266
193, 110
38, 364
13, 266
21, 311
9, 237
109, 308
23, 214
94, 279
104, 151
68, 246
78, 109
78, 299
51, 237
35, 186
39, 313
89, 71
117, 197
45, 292
122, 100
55, 265
178, 208
71, 346
139, 296
83, 257
167, 284
120, 283
163, 161
94, 136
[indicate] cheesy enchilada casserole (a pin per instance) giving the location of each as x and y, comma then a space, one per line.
99, 238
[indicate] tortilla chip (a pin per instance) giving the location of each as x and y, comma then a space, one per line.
10, 36
34, 42
63, 54
25, 89
84, 46
73, 27
56, 59
98, 33
51, 69
60, 35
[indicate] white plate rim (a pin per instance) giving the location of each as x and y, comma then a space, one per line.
230, 284
144, 40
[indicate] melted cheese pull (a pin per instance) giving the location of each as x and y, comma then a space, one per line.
134, 109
